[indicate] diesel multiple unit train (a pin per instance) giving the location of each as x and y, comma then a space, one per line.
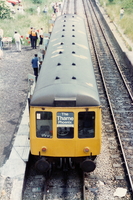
65, 111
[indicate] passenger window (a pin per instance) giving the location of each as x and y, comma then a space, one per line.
86, 124
44, 125
65, 125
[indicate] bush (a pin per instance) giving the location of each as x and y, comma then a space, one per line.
37, 1
4, 10
31, 11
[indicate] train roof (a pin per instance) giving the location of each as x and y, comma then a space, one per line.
67, 72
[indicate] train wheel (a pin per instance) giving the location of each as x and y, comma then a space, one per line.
42, 166
88, 165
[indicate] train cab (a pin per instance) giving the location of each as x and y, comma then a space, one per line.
60, 133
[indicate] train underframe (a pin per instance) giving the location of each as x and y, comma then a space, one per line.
45, 164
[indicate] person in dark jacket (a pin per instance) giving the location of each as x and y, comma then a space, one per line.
34, 62
30, 36
34, 36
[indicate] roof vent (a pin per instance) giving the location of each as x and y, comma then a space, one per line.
73, 43
73, 64
64, 16
73, 16
62, 36
64, 25
73, 25
57, 77
64, 20
61, 43
60, 52
73, 52
74, 77
73, 35
73, 29
63, 29
58, 64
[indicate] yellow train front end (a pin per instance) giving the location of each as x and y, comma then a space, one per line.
63, 132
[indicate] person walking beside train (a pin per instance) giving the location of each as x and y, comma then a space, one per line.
17, 38
34, 63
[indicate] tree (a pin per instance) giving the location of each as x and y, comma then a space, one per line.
4, 10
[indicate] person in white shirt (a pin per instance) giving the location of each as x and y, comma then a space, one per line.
38, 10
17, 40
41, 36
121, 13
45, 10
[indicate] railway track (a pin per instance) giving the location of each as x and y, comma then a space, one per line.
73, 7
65, 185
69, 7
59, 184
116, 85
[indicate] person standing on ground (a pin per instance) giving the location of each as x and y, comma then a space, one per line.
45, 10
30, 36
1, 37
34, 62
121, 13
41, 36
38, 10
17, 40
34, 38
20, 9
52, 5
60, 5
56, 8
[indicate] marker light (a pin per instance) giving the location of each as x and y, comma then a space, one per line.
44, 149
86, 149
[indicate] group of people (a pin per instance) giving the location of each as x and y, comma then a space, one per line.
34, 35
45, 9
55, 6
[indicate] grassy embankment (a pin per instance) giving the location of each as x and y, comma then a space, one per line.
113, 10
22, 22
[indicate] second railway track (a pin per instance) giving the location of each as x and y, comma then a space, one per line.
117, 86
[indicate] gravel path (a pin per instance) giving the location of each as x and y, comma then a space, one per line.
14, 69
